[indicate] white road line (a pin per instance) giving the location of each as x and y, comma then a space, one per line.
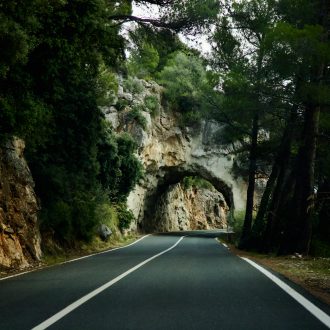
107, 251
225, 245
317, 312
72, 260
79, 302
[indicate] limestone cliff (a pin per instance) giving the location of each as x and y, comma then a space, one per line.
169, 151
19, 233
190, 209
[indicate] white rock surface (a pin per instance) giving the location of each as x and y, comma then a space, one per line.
190, 209
169, 152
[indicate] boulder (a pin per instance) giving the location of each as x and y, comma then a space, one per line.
104, 232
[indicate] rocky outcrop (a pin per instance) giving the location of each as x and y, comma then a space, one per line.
19, 233
169, 152
190, 209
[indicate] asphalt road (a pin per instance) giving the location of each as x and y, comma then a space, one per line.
189, 283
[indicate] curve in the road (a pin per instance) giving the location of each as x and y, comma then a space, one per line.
47, 323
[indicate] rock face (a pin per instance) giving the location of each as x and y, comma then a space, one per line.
169, 152
19, 233
190, 209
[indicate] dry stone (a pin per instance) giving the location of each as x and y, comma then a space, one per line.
19, 231
167, 151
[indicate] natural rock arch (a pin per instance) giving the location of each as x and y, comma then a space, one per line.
175, 174
169, 151
171, 175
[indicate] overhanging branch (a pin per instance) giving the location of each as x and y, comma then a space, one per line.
155, 22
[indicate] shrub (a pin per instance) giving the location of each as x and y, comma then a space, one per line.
106, 86
320, 248
143, 61
133, 85
57, 218
197, 182
136, 115
119, 169
237, 224
121, 104
106, 214
125, 216
152, 104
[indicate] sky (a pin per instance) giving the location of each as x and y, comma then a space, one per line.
199, 42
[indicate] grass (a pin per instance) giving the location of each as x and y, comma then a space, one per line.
95, 246
62, 255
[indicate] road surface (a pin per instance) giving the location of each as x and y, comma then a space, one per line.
160, 282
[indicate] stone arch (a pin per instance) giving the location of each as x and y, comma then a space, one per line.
171, 175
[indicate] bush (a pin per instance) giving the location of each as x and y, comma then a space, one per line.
121, 104
57, 218
320, 248
152, 104
237, 224
143, 61
133, 85
136, 115
106, 86
197, 182
125, 216
84, 218
106, 214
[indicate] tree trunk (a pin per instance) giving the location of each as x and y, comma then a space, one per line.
251, 184
259, 223
298, 230
278, 207
266, 209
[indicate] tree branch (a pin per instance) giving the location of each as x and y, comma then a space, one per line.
175, 26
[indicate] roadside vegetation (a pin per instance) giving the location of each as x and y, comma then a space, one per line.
266, 80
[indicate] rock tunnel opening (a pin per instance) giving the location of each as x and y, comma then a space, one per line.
170, 177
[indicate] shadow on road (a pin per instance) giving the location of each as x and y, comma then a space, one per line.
198, 233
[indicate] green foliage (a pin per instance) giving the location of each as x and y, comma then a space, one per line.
186, 84
72, 219
106, 213
133, 85
238, 222
320, 248
136, 115
143, 61
162, 43
125, 216
193, 14
120, 170
182, 76
106, 86
18, 26
57, 66
152, 104
130, 166
196, 182
122, 104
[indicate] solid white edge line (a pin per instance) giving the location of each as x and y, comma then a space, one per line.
106, 251
317, 312
79, 302
73, 260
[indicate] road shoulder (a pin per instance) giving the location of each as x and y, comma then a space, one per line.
312, 274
